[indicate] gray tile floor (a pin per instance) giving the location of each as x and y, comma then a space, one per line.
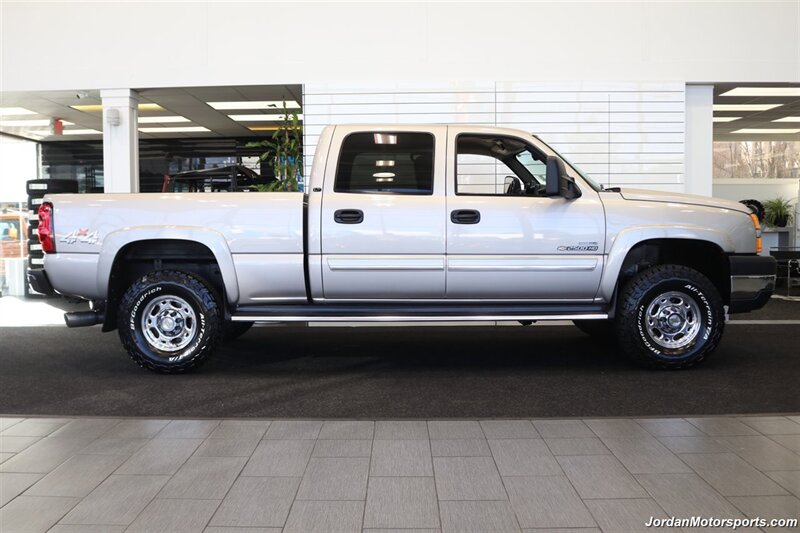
247, 476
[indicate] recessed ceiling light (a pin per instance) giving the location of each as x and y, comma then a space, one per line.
162, 120
251, 104
726, 119
96, 108
763, 91
261, 117
745, 107
174, 129
81, 132
384, 163
89, 108
28, 122
262, 128
15, 111
787, 119
774, 131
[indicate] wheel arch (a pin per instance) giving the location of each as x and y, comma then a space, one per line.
709, 257
129, 253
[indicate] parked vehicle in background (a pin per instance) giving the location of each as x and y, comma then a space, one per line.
410, 223
13, 231
231, 178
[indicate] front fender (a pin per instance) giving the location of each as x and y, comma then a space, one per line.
212, 239
628, 238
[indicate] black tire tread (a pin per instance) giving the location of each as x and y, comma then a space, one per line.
626, 318
190, 282
756, 207
52, 186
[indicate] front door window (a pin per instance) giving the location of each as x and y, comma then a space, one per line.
498, 166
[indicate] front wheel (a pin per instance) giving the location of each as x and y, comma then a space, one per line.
169, 321
669, 317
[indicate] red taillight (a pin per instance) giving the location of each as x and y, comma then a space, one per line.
46, 236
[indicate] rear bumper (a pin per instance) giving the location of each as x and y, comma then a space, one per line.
752, 282
37, 279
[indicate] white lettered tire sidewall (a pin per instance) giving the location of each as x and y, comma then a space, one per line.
193, 291
632, 332
706, 320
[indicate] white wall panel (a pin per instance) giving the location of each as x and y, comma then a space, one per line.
205, 43
618, 132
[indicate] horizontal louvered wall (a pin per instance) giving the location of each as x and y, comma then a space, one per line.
628, 134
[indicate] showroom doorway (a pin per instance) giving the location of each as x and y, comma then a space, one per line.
179, 129
189, 139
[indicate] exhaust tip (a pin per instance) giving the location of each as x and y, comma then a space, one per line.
81, 319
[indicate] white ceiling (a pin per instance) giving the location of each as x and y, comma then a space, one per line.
189, 102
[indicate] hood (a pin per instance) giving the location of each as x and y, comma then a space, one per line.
679, 198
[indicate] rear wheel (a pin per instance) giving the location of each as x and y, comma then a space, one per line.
669, 316
169, 321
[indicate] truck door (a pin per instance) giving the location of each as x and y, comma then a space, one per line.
382, 227
506, 240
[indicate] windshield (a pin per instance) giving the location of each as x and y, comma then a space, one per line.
593, 184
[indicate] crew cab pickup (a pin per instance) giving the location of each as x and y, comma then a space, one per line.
409, 223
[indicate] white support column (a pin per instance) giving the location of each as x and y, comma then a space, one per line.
120, 140
699, 139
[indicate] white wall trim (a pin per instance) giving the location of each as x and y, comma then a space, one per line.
621, 133
699, 139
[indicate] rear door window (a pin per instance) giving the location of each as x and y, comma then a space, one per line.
386, 162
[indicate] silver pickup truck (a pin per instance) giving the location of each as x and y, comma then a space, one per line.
409, 223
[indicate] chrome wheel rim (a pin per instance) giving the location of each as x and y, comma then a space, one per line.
673, 320
168, 323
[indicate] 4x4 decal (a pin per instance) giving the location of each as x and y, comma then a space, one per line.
83, 236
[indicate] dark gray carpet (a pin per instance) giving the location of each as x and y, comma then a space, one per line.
396, 372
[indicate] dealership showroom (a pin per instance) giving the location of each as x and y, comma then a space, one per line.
424, 266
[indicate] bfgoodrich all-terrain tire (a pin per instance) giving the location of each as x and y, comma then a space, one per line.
669, 317
169, 321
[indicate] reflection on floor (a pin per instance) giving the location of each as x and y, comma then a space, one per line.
25, 312
460, 475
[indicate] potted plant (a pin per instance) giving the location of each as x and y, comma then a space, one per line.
285, 150
778, 212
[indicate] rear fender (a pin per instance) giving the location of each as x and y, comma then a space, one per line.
213, 240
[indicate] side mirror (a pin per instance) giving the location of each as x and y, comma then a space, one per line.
558, 183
